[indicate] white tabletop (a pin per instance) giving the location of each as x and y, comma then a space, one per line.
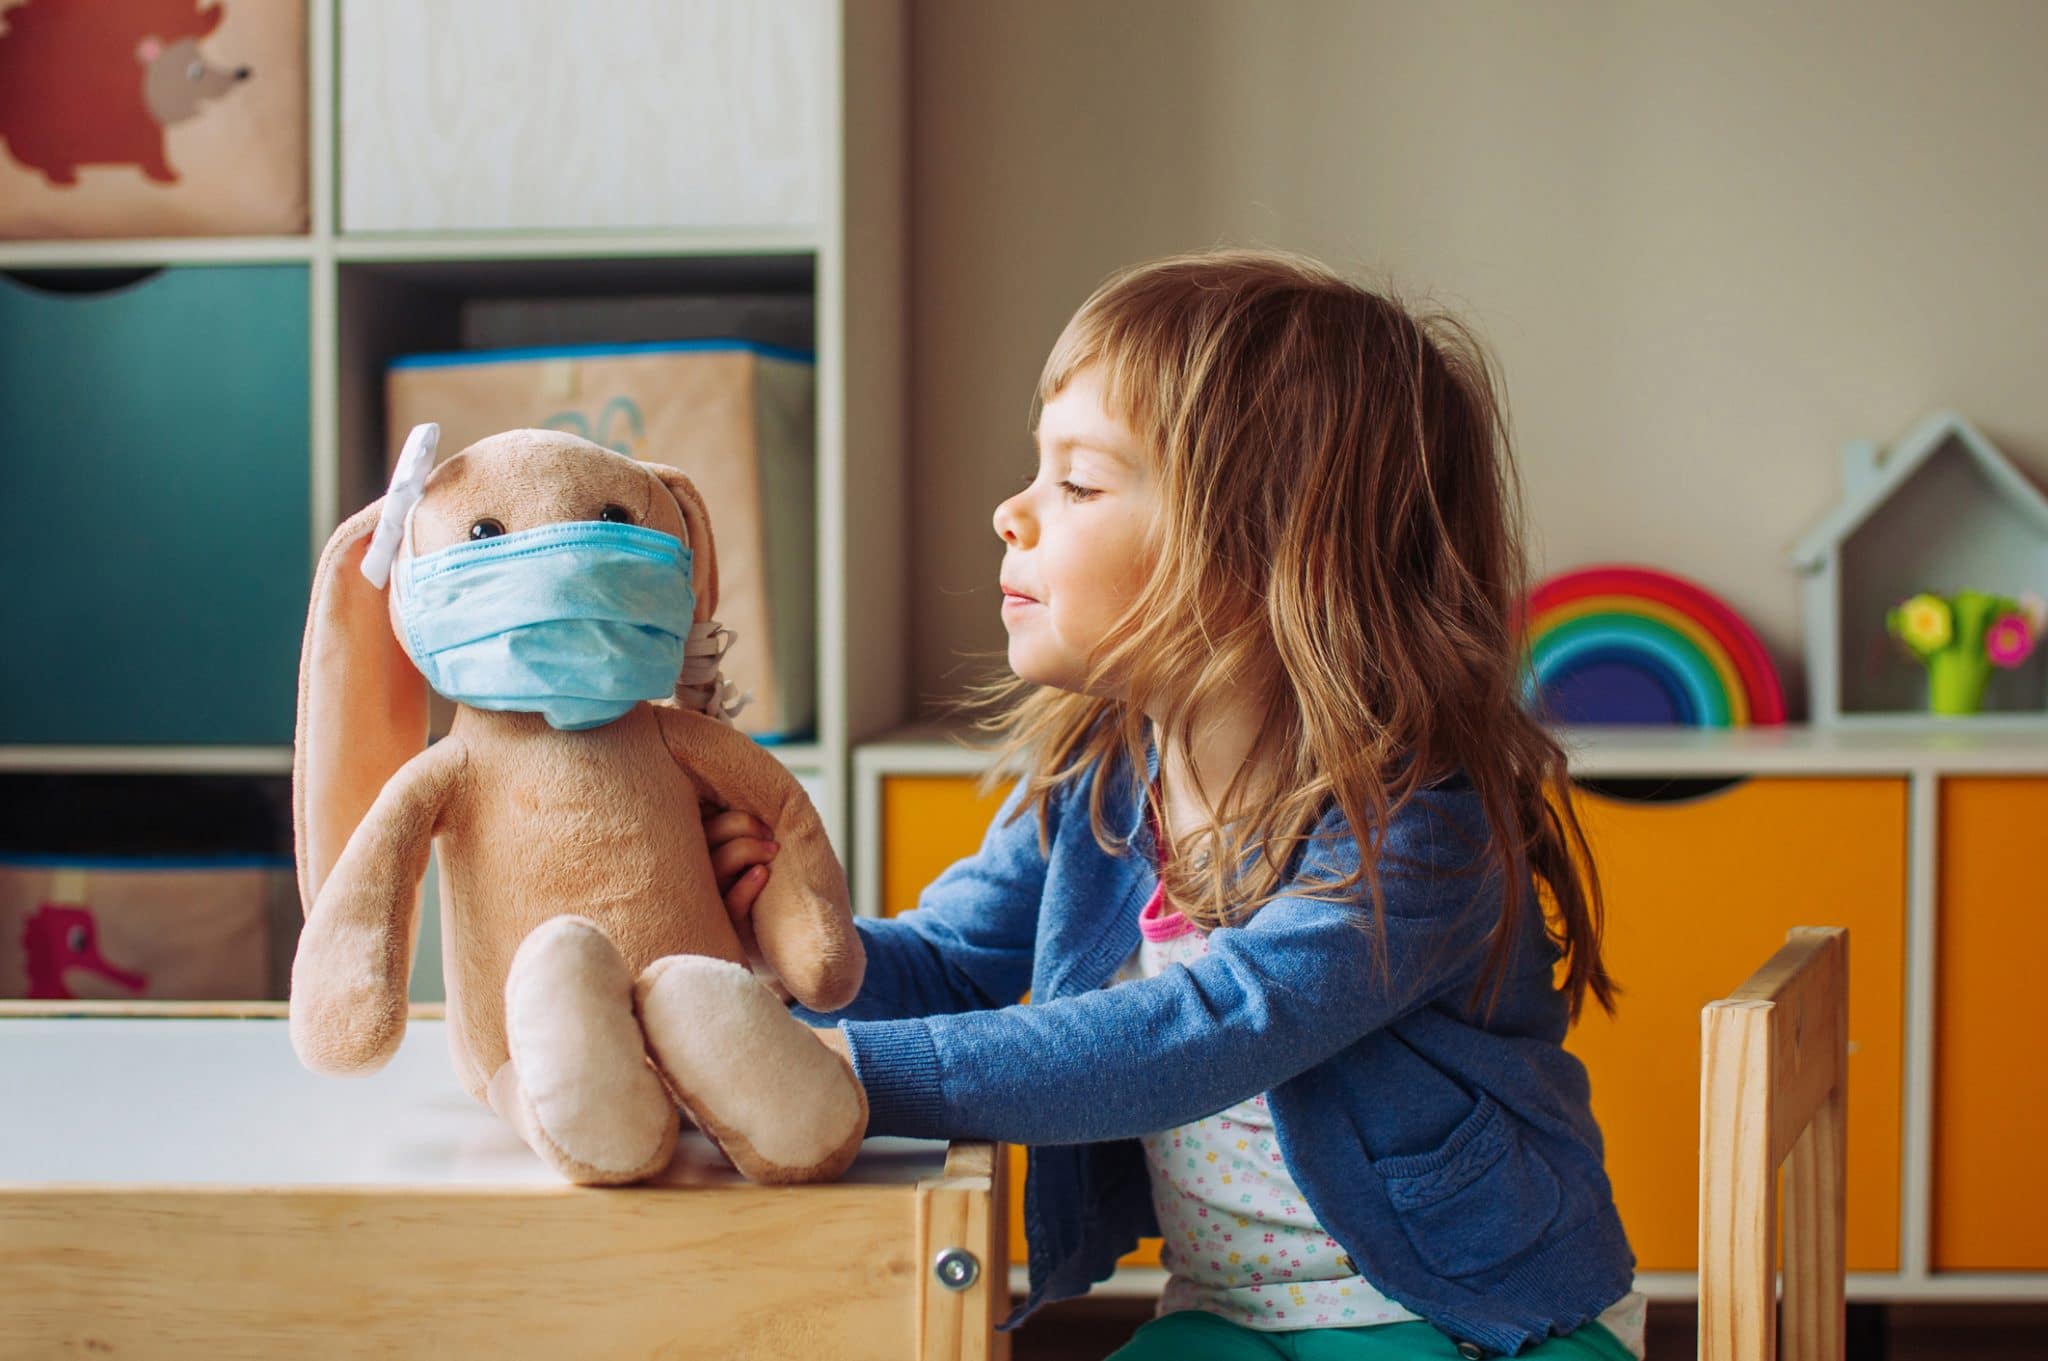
218, 1101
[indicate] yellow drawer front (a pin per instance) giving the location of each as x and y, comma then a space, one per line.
928, 822
1990, 1088
1698, 894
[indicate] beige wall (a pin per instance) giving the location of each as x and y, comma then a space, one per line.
1708, 243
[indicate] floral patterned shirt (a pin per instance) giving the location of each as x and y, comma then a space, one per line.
1239, 1238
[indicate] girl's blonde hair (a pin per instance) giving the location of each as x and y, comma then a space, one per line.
1340, 527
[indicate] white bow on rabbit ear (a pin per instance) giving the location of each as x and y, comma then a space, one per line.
362, 702
408, 484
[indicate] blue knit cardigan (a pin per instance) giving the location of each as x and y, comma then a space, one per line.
1450, 1151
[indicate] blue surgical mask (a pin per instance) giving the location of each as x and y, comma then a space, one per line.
578, 622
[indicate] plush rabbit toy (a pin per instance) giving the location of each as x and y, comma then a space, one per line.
595, 982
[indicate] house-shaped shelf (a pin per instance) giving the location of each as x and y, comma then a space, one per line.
1942, 511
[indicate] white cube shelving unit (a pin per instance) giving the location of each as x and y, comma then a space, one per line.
473, 150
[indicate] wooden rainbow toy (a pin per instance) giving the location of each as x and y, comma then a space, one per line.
1621, 644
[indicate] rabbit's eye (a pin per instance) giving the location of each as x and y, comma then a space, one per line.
616, 514
486, 529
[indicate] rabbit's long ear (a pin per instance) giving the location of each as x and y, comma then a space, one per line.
703, 553
362, 704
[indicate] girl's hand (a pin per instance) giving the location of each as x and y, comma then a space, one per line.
740, 851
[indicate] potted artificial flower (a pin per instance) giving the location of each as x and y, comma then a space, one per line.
1960, 639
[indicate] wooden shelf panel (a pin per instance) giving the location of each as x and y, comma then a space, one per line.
1792, 749
803, 757
464, 247
124, 254
150, 760
1145, 1282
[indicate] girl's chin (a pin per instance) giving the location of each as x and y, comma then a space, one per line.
1031, 668
1056, 677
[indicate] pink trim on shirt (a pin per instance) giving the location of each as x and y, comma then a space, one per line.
1158, 921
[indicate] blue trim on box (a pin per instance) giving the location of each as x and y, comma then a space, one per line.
145, 862
451, 359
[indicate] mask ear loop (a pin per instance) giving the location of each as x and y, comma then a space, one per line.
703, 687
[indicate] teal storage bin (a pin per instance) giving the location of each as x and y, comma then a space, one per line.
155, 470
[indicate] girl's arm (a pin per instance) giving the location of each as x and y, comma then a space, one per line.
1297, 983
968, 944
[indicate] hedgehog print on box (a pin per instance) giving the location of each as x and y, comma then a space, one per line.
152, 117
98, 84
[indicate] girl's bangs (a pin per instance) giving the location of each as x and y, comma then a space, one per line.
1125, 350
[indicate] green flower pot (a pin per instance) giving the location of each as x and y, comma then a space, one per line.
1955, 681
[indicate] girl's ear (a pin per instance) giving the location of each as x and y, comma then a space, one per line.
362, 704
697, 525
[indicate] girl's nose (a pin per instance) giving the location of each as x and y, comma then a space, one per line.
1011, 522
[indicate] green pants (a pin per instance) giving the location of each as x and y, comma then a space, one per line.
1191, 1333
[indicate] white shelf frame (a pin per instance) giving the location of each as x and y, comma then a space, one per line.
148, 253
1921, 754
165, 760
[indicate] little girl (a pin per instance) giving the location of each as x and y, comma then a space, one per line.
1296, 1003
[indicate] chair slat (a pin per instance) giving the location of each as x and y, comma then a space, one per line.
1773, 1087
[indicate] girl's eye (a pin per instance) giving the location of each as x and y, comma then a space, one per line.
486, 529
1079, 493
616, 514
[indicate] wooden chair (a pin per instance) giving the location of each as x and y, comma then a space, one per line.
1773, 1083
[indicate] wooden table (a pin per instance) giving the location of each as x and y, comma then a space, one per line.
173, 1183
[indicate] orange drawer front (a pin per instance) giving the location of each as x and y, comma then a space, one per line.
1990, 1186
928, 822
1698, 894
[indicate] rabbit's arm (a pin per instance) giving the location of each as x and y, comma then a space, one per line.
803, 920
349, 977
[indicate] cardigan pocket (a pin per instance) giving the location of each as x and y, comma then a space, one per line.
1481, 1199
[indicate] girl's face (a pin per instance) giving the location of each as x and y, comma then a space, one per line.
1078, 537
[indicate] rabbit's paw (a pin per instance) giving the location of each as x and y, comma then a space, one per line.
581, 1091
346, 1015
782, 1106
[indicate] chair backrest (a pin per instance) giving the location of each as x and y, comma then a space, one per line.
1773, 1082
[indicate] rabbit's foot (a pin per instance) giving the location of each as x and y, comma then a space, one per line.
782, 1106
580, 1088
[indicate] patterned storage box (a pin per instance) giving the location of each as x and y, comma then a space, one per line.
146, 887
162, 929
152, 118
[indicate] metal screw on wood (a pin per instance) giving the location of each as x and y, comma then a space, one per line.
956, 1269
